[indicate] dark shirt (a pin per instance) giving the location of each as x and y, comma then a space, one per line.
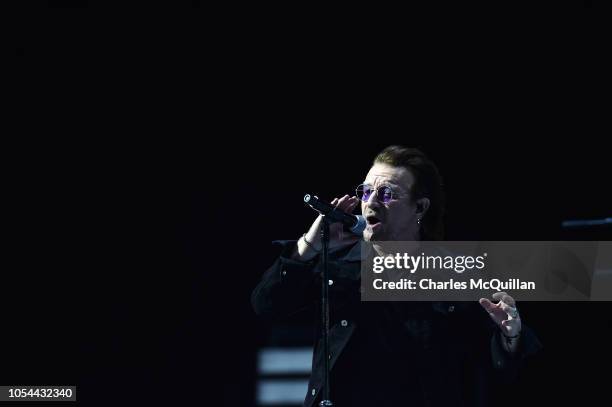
376, 368
389, 354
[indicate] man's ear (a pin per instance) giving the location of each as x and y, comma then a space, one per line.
422, 205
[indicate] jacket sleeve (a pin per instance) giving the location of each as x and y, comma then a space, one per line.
492, 360
507, 364
287, 287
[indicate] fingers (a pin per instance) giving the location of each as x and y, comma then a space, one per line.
342, 201
509, 300
503, 296
487, 305
511, 321
354, 202
346, 203
511, 311
505, 304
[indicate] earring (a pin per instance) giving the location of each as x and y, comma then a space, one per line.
419, 221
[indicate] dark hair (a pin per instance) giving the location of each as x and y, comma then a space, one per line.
428, 184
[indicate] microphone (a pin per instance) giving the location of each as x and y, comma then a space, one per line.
355, 223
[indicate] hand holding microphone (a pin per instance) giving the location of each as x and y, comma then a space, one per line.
309, 245
355, 224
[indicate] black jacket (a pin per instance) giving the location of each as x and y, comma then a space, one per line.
459, 357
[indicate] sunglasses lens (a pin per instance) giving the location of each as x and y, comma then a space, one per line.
385, 194
363, 192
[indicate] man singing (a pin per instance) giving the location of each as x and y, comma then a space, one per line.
396, 353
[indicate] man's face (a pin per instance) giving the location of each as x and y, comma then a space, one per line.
395, 220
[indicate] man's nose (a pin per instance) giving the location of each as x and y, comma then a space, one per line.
373, 201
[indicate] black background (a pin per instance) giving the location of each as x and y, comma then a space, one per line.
177, 155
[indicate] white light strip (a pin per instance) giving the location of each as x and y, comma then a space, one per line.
274, 392
285, 361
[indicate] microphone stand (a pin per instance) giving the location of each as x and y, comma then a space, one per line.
330, 215
325, 402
